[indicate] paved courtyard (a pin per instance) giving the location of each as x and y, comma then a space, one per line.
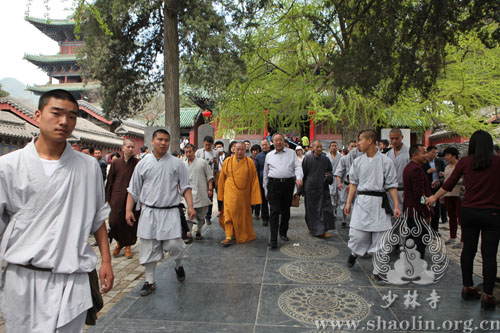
252, 288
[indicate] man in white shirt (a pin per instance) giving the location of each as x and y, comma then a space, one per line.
209, 155
282, 171
201, 178
51, 200
184, 142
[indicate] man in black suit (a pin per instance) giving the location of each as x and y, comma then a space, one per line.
433, 167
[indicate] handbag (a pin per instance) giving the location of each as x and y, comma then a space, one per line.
182, 213
97, 301
296, 200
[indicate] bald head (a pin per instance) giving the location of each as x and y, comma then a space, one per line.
369, 135
128, 149
396, 137
396, 131
240, 150
127, 141
317, 147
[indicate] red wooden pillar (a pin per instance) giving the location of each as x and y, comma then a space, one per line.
215, 124
266, 129
311, 125
427, 141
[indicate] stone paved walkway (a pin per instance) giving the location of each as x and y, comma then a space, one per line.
128, 273
252, 288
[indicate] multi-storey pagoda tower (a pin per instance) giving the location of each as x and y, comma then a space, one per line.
63, 66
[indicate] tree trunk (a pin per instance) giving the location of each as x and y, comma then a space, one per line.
171, 74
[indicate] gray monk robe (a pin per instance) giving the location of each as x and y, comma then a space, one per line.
319, 210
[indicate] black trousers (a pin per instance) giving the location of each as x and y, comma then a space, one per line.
436, 216
279, 195
209, 211
484, 222
410, 223
444, 212
264, 208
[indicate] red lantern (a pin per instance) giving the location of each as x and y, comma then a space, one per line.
206, 113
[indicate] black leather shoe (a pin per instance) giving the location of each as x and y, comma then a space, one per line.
284, 238
181, 275
265, 223
273, 244
351, 261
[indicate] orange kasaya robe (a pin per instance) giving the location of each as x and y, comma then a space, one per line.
239, 188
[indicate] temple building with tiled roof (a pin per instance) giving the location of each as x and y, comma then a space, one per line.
18, 127
63, 66
15, 132
190, 120
94, 127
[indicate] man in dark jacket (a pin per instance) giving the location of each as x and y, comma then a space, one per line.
433, 168
260, 159
101, 161
416, 189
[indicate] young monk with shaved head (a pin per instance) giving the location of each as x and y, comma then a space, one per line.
370, 176
51, 200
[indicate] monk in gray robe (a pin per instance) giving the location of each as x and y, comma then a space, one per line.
399, 154
370, 176
334, 156
157, 183
51, 200
317, 178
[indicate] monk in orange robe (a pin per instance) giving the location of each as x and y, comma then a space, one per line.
239, 188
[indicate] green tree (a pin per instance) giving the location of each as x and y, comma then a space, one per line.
133, 48
3, 93
468, 83
397, 44
285, 73
356, 63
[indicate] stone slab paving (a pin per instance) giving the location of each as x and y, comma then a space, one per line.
252, 288
258, 268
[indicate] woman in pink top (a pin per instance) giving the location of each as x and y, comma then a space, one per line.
480, 213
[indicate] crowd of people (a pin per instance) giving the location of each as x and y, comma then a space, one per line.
165, 200
373, 182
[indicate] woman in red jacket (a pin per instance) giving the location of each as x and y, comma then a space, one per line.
480, 213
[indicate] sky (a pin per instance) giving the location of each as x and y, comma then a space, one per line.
18, 37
